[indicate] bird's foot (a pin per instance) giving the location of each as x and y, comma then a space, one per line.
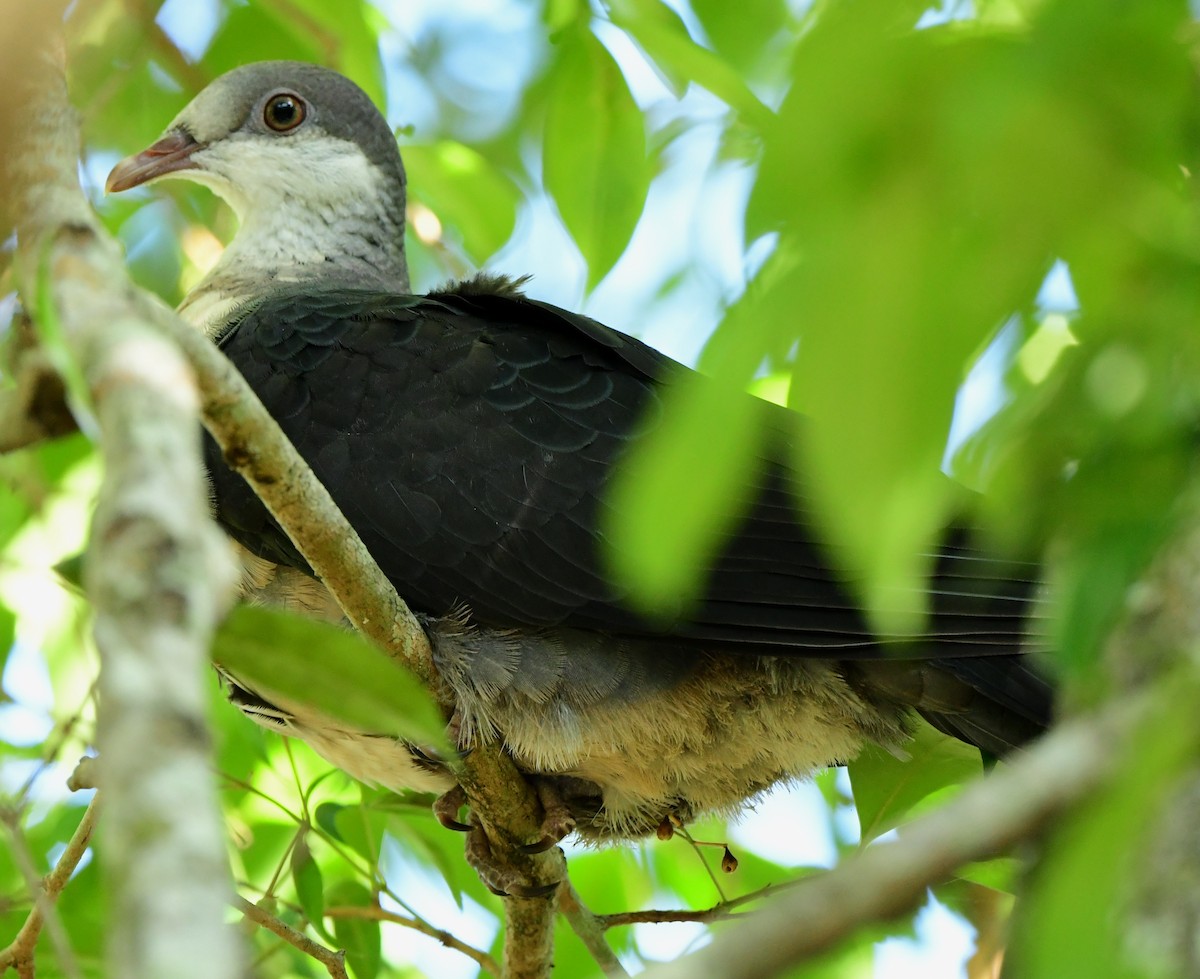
498, 876
557, 821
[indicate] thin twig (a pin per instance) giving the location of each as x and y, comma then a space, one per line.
718, 912
695, 846
721, 911
334, 962
887, 880
590, 929
376, 913
53, 745
19, 953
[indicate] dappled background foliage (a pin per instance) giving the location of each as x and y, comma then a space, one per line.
962, 239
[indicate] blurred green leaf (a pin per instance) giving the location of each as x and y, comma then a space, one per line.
348, 33
426, 841
616, 878
854, 958
83, 908
361, 828
343, 36
358, 936
8, 631
327, 818
56, 459
125, 111
328, 668
310, 887
594, 155
662, 36
680, 491
887, 789
1001, 874
268, 842
746, 33
921, 221
471, 196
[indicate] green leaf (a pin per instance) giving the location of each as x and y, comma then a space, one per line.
84, 908
8, 633
361, 828
255, 32
327, 818
1001, 874
344, 36
594, 154
306, 875
887, 315
426, 841
348, 33
466, 192
923, 219
888, 789
328, 668
746, 34
360, 937
681, 490
662, 36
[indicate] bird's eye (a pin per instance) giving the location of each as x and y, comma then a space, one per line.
283, 112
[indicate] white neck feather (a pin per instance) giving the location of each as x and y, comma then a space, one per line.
326, 213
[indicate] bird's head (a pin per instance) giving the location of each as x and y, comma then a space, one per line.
307, 162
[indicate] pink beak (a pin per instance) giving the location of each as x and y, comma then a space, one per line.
169, 155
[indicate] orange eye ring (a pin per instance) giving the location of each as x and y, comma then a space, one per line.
284, 112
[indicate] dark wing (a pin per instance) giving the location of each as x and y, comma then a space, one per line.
469, 439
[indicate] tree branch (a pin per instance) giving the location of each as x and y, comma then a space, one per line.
886, 880
19, 953
590, 929
718, 912
154, 568
376, 913
334, 962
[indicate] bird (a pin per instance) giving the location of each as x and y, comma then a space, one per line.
470, 434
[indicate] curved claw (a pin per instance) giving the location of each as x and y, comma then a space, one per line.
501, 880
435, 759
547, 842
446, 808
530, 890
504, 881
524, 890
